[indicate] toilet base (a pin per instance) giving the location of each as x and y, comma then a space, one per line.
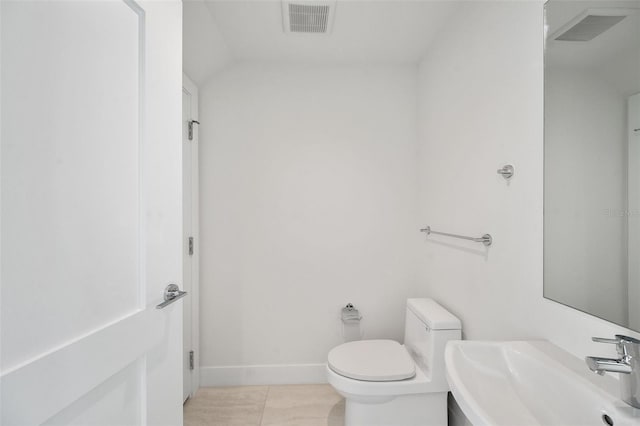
429, 409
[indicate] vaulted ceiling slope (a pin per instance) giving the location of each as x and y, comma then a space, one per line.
364, 32
204, 49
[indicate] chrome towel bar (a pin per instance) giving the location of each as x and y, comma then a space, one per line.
485, 239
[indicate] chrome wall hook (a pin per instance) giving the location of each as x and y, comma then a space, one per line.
506, 171
190, 124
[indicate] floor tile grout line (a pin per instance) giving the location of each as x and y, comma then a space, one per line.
264, 405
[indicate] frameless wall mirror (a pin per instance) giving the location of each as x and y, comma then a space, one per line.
592, 158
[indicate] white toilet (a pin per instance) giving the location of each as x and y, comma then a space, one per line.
386, 383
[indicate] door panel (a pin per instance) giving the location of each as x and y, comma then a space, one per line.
68, 169
91, 212
95, 408
56, 380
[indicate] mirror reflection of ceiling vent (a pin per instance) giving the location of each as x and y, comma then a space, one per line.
590, 24
305, 16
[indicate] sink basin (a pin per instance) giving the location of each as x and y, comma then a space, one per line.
531, 383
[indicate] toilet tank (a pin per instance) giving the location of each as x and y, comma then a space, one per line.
428, 327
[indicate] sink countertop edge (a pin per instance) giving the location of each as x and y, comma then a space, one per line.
570, 364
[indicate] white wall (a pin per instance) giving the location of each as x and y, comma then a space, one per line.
481, 106
309, 191
585, 192
308, 201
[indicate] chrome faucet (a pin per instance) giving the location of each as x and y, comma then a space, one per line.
628, 365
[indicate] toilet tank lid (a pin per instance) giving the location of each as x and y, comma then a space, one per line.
433, 315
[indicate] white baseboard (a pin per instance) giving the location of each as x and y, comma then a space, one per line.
278, 374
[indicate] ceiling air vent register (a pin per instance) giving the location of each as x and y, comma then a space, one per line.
307, 17
590, 24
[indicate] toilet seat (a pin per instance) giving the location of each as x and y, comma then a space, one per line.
372, 360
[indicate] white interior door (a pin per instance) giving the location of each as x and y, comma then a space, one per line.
190, 252
91, 213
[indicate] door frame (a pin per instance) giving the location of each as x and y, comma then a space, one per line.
189, 87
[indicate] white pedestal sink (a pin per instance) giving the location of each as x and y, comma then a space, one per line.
531, 383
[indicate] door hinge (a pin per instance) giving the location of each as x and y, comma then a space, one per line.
191, 123
190, 246
191, 360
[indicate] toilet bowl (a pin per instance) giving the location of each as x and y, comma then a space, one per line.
386, 383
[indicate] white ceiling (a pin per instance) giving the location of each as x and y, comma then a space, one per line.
389, 31
204, 51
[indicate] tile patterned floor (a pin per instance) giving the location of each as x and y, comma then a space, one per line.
283, 405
